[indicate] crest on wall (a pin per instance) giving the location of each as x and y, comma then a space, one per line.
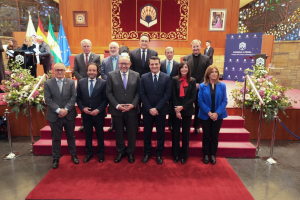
148, 15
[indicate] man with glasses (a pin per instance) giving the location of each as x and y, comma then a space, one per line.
122, 91
82, 60
60, 97
92, 101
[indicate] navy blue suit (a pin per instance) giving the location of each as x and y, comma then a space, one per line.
158, 99
98, 101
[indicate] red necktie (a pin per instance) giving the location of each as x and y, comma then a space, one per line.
86, 60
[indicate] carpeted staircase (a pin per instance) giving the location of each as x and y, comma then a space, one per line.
233, 140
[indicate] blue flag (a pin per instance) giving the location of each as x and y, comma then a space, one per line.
63, 45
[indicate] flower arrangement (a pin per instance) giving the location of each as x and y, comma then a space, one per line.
18, 86
269, 90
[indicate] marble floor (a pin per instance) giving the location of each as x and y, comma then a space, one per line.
264, 182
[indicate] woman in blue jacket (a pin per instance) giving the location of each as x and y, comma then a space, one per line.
29, 47
212, 99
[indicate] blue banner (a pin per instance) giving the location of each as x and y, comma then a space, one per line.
64, 45
239, 48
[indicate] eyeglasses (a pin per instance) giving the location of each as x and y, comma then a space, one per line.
124, 64
59, 70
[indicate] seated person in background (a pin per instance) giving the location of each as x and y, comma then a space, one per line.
30, 57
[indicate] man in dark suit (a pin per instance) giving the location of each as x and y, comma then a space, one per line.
155, 93
92, 101
82, 60
110, 64
60, 97
123, 94
170, 67
209, 51
44, 54
198, 63
140, 59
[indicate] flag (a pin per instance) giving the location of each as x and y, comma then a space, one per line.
30, 28
63, 45
55, 51
40, 31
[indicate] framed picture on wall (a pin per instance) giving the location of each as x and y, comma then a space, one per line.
217, 19
80, 18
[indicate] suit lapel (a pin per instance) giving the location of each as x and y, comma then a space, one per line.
97, 86
119, 78
54, 83
82, 59
65, 85
111, 66
138, 55
148, 55
130, 77
173, 69
164, 66
159, 81
208, 92
117, 65
91, 58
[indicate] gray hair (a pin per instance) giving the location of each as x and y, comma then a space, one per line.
39, 37
169, 48
114, 43
58, 64
196, 41
127, 57
87, 41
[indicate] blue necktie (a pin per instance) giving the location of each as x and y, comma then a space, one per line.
114, 63
155, 82
169, 68
124, 81
143, 58
91, 88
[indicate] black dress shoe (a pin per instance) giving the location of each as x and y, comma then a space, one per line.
145, 159
159, 160
111, 128
205, 159
81, 128
119, 158
75, 160
101, 159
176, 159
131, 158
87, 158
55, 163
183, 161
213, 159
197, 130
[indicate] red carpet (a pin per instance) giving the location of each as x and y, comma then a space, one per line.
108, 180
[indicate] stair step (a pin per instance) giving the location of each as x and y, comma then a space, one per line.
225, 149
229, 122
226, 134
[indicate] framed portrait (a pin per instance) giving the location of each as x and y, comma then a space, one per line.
217, 19
80, 18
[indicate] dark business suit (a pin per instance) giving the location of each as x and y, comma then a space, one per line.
118, 94
197, 73
55, 100
210, 54
45, 56
174, 72
212, 128
188, 110
158, 99
107, 66
80, 69
98, 101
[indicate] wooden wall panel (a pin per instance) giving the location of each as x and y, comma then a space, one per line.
267, 47
99, 26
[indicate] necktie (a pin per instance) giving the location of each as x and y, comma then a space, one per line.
86, 60
169, 68
124, 81
143, 58
114, 63
91, 87
60, 86
155, 82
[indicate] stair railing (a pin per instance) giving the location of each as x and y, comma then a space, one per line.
29, 112
247, 77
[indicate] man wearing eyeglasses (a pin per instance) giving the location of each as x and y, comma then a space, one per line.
60, 97
92, 101
82, 60
122, 91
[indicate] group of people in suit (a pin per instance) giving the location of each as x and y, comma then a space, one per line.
138, 83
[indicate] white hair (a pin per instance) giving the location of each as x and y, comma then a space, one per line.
114, 43
39, 37
196, 41
87, 41
169, 48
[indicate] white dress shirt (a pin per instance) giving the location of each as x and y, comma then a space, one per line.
145, 54
157, 75
85, 57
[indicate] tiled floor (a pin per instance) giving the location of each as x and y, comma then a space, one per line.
282, 182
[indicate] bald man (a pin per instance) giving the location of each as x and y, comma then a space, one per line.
60, 97
45, 54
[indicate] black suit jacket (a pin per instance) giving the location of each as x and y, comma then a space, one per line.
163, 67
158, 98
136, 61
98, 99
186, 101
210, 54
199, 71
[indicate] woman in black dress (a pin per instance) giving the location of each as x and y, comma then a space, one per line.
183, 96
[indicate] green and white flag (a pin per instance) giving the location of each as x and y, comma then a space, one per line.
55, 50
